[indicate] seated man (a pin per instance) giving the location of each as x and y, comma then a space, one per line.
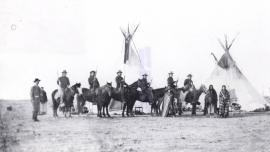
63, 83
188, 83
170, 82
120, 82
93, 81
146, 90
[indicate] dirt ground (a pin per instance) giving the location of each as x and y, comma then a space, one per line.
136, 134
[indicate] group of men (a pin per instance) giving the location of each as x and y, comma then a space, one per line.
39, 95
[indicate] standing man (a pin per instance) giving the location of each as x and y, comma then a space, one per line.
188, 83
224, 101
93, 81
63, 83
35, 95
43, 101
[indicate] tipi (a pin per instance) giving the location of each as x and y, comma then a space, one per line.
227, 73
131, 60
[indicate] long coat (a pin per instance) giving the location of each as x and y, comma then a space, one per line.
35, 95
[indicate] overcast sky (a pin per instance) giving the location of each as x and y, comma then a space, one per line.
41, 38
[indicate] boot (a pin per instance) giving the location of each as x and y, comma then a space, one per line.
35, 117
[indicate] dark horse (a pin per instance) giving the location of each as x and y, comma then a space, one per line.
193, 96
130, 95
158, 95
104, 95
67, 99
87, 95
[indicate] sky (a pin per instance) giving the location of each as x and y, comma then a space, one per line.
41, 38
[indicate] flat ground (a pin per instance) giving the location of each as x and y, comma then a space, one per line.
140, 133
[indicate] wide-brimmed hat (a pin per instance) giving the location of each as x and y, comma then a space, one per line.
36, 80
64, 71
189, 75
145, 74
171, 72
92, 71
119, 71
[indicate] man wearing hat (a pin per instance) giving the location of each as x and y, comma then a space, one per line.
93, 81
170, 81
35, 95
119, 80
188, 83
146, 90
63, 83
142, 83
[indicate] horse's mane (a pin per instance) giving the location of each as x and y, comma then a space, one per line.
85, 90
76, 85
134, 84
158, 90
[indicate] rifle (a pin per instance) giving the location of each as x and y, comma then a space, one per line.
94, 83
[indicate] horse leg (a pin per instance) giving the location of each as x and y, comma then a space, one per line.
123, 112
98, 111
131, 112
103, 111
152, 109
193, 109
69, 110
127, 112
107, 111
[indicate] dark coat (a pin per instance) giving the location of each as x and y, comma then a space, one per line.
119, 80
171, 82
143, 84
93, 82
35, 93
188, 82
63, 81
213, 94
44, 98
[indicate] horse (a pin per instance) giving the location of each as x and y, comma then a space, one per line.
193, 96
210, 106
130, 96
104, 95
127, 95
86, 95
158, 95
67, 99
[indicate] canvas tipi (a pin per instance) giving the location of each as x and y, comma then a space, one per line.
132, 66
227, 73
